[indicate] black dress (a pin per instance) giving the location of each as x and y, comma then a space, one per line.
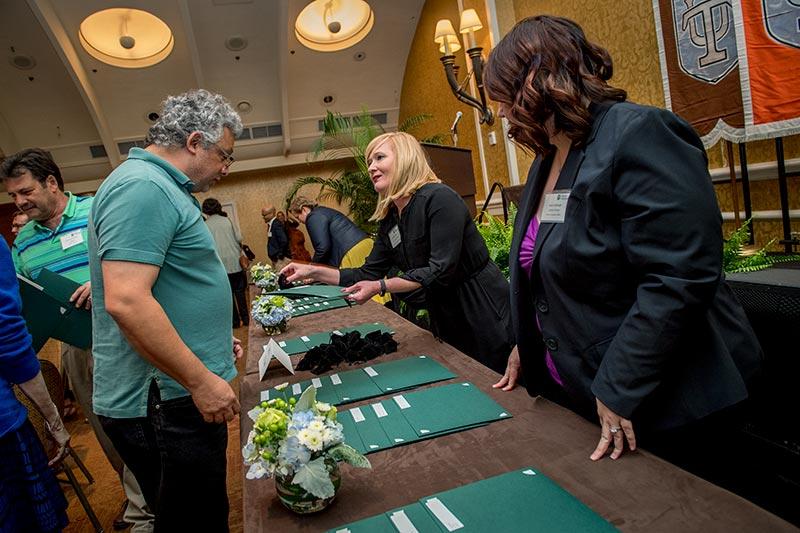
440, 248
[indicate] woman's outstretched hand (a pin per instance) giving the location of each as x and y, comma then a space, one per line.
362, 291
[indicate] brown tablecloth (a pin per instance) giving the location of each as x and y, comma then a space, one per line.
638, 492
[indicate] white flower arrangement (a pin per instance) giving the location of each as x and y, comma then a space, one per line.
264, 277
294, 439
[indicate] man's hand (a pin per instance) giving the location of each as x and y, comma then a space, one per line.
238, 351
362, 291
509, 379
215, 400
83, 296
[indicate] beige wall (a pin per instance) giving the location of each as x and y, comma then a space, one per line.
627, 29
252, 190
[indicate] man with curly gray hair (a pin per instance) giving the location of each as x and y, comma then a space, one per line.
162, 330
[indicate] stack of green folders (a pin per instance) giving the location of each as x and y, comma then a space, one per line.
310, 299
523, 501
418, 415
369, 381
306, 342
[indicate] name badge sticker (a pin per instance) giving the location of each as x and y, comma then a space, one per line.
71, 239
394, 236
555, 206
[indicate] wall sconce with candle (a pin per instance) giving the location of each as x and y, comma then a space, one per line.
448, 42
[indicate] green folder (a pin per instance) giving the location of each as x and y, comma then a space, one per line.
308, 307
320, 291
369, 429
448, 407
49, 313
395, 425
325, 391
292, 346
356, 385
364, 329
374, 524
409, 372
316, 339
299, 345
351, 436
383, 523
523, 501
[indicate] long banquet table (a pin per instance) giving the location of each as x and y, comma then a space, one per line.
638, 492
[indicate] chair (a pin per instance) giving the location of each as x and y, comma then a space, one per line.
55, 386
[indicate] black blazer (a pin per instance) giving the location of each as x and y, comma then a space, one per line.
440, 248
628, 289
332, 235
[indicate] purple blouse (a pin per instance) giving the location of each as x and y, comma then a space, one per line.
526, 262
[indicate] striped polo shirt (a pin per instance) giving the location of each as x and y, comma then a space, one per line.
63, 251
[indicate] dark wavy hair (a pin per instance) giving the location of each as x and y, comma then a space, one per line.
545, 67
211, 206
34, 160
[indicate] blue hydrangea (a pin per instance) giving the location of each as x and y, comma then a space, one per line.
292, 453
301, 419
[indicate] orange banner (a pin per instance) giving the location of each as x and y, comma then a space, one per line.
731, 68
768, 33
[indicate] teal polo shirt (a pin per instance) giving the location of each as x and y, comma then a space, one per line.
144, 213
63, 250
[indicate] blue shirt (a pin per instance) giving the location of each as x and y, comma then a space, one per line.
144, 213
18, 363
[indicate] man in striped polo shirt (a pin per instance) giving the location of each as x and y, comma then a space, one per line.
56, 239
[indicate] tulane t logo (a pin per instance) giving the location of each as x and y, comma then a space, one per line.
705, 38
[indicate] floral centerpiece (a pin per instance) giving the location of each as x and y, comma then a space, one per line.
272, 312
264, 277
301, 444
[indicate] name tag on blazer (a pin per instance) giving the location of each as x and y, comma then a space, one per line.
394, 236
555, 206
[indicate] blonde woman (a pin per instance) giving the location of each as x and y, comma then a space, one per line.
426, 232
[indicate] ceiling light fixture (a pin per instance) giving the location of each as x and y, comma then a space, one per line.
332, 25
126, 38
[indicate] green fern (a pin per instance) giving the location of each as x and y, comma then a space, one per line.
497, 236
733, 261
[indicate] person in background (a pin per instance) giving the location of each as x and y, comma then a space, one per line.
164, 354
18, 222
337, 241
619, 303
277, 240
228, 241
426, 231
56, 239
297, 241
30, 496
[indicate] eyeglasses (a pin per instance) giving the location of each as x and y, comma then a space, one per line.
227, 158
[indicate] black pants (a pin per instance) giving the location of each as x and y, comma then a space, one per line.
241, 313
179, 461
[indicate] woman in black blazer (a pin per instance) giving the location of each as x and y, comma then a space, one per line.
426, 231
617, 249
